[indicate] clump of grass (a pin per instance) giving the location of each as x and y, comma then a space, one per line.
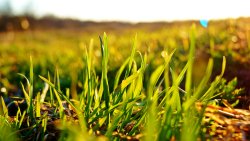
160, 111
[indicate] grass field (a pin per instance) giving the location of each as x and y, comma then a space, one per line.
158, 81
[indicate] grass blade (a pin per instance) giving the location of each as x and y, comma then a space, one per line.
3, 108
188, 83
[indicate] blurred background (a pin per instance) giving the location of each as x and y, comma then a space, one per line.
56, 33
130, 11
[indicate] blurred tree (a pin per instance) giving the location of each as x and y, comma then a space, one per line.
5, 8
13, 7
28, 9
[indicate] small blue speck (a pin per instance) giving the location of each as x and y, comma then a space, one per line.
204, 23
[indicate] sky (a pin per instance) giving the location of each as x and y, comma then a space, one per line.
135, 10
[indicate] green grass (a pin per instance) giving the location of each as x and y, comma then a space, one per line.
148, 105
46, 48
